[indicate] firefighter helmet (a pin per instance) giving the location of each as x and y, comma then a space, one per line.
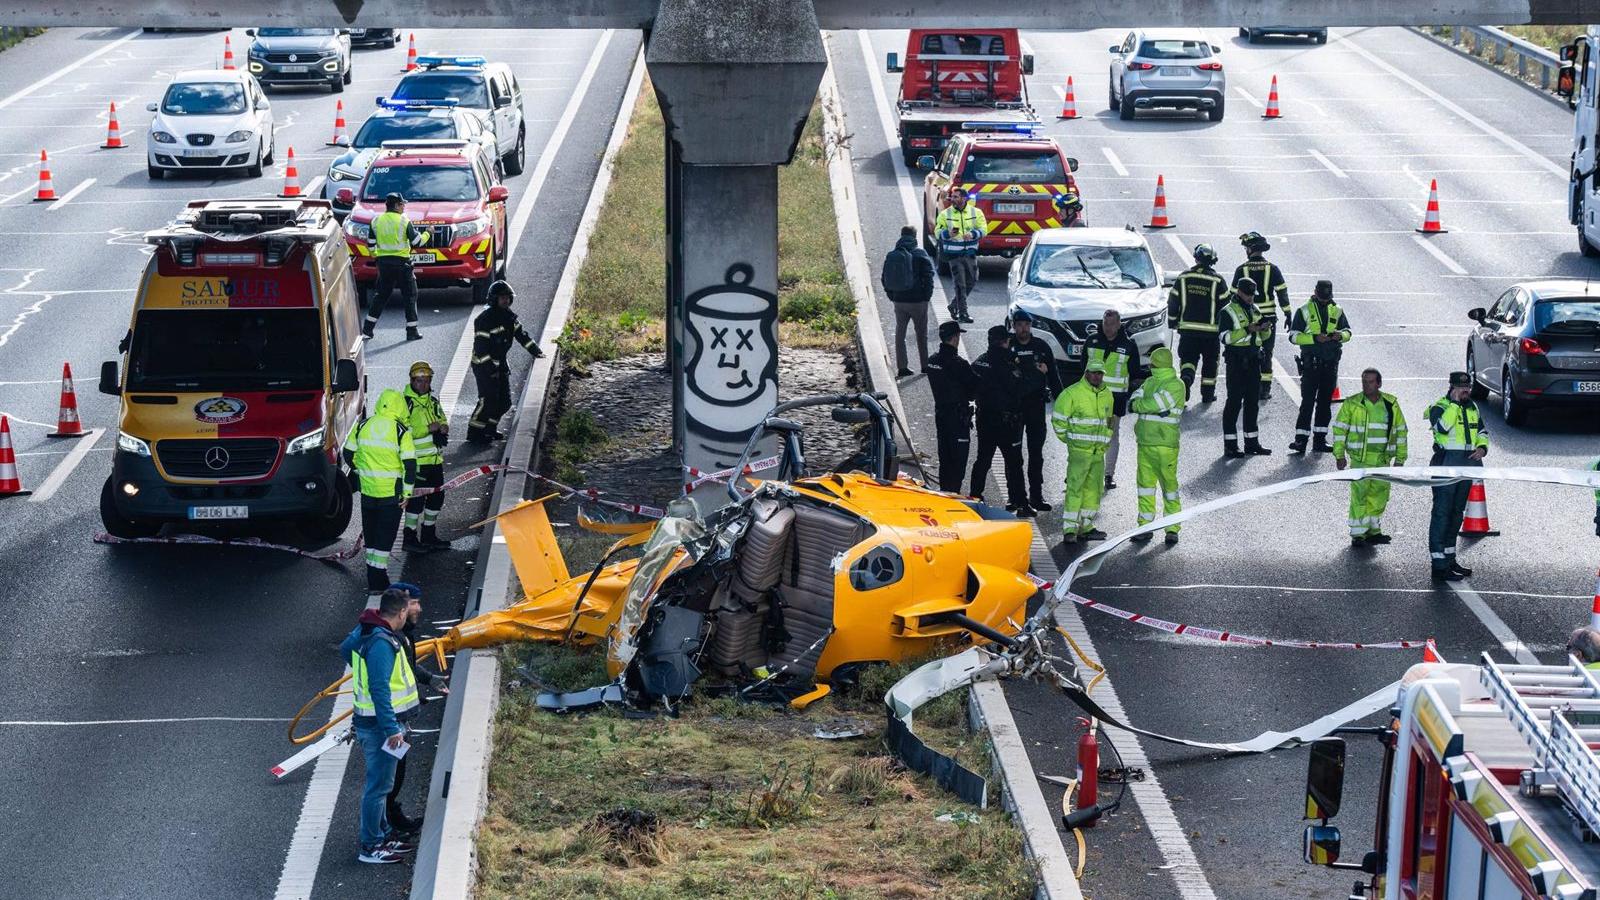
1204, 255
1253, 242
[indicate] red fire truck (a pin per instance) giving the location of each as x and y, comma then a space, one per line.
952, 79
1490, 787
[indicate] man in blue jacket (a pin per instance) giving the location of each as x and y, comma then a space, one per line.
385, 696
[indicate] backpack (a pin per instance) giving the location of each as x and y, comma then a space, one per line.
922, 276
898, 276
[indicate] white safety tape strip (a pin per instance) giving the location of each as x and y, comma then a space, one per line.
588, 494
327, 556
698, 477
328, 741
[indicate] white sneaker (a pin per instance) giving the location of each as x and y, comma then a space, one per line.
380, 855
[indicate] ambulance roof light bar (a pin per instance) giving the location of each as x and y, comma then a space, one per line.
396, 103
1028, 129
434, 60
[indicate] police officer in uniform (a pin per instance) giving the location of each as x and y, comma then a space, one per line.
1459, 439
379, 449
393, 236
430, 431
954, 385
1193, 305
999, 396
495, 328
1320, 330
1243, 330
1272, 297
960, 227
1041, 382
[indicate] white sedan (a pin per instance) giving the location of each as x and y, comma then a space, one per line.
209, 120
1068, 277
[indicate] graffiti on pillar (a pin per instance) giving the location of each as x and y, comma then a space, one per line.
732, 375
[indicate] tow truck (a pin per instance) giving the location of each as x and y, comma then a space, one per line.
1577, 83
953, 81
1489, 786
1022, 181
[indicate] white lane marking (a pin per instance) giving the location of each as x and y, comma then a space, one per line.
1178, 248
1249, 98
455, 377
50, 723
1159, 817
1116, 164
1327, 163
313, 187
1467, 117
27, 190
1301, 589
316, 815
66, 198
1502, 632
62, 471
64, 70
1438, 254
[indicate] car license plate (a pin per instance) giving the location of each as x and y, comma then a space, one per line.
294, 68
422, 257
1014, 209
1074, 351
197, 153
219, 512
1586, 387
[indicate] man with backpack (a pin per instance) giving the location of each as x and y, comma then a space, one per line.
908, 283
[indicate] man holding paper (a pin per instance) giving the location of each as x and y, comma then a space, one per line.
385, 696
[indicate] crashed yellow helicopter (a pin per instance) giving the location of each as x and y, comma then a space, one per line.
795, 584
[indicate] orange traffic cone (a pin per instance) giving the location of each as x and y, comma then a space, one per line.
113, 132
47, 188
1069, 103
10, 483
67, 423
291, 178
1430, 652
1594, 611
338, 123
1272, 102
227, 53
1430, 221
411, 54
1337, 396
1476, 521
1158, 213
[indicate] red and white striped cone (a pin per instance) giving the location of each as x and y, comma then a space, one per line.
227, 53
291, 177
1476, 521
47, 188
10, 482
113, 132
1158, 213
1594, 611
1272, 102
338, 124
1430, 220
1430, 652
411, 55
67, 422
1069, 102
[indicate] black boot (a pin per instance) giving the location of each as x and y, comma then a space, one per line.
377, 580
1254, 448
430, 538
1142, 537
1266, 391
1297, 446
1230, 450
366, 328
413, 544
1039, 505
1321, 445
412, 334
1208, 396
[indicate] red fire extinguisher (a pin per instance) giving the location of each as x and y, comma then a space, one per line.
1088, 770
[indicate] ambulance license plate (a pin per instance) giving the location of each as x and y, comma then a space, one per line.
1586, 387
1014, 209
422, 257
197, 513
289, 69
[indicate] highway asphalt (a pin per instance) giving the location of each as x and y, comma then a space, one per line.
119, 780
1337, 185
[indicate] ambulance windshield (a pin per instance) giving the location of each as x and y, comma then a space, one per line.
225, 349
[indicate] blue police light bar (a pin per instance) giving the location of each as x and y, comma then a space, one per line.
393, 103
1011, 127
471, 62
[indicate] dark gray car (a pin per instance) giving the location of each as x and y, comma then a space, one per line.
300, 56
1538, 345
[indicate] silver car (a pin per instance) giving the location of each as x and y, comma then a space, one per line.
1167, 69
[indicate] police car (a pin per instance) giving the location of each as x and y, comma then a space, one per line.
489, 89
400, 120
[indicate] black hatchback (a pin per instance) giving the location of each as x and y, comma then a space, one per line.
1538, 345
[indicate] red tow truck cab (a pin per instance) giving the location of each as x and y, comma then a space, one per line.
951, 78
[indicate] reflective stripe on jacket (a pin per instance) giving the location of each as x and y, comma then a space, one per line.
1272, 289
1311, 320
1457, 426
1363, 427
392, 235
959, 230
1081, 416
1237, 318
1157, 407
423, 410
402, 683
1195, 300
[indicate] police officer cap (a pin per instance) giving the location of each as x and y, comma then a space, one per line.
1022, 315
394, 198
999, 333
1246, 286
501, 288
1253, 239
946, 329
1324, 288
421, 368
1460, 379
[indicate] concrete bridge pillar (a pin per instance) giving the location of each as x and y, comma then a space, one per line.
736, 80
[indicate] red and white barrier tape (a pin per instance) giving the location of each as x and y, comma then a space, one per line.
1224, 637
697, 477
328, 556
592, 495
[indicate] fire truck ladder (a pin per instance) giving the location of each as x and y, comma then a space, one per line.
1556, 709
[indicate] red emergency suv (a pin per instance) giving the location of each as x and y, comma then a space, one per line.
1021, 182
452, 191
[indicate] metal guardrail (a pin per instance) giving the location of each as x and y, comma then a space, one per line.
1494, 45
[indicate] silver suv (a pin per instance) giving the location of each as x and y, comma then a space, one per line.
489, 89
1167, 69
